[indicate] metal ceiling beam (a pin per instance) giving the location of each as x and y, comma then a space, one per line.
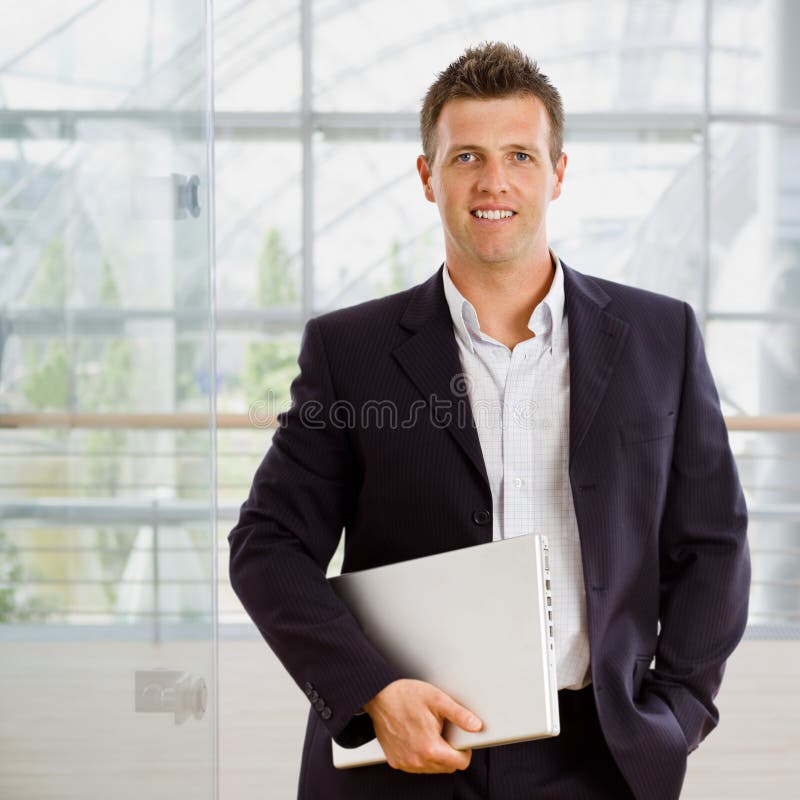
35, 123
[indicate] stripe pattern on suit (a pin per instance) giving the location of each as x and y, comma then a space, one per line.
380, 443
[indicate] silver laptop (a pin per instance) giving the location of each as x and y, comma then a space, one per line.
477, 623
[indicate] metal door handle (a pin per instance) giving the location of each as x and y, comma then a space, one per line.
169, 690
165, 197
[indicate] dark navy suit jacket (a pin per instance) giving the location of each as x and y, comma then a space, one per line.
380, 441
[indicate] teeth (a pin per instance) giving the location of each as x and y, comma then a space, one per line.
481, 214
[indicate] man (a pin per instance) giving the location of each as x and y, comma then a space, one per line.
610, 440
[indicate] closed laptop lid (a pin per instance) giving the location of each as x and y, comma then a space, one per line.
477, 623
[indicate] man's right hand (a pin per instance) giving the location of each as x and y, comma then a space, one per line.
408, 717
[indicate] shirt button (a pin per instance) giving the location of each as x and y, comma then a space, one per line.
481, 516
519, 483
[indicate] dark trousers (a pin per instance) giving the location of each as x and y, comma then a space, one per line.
575, 765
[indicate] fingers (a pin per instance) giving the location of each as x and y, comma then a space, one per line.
463, 761
463, 717
408, 716
436, 757
446, 759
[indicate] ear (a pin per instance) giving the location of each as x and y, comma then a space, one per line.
425, 176
561, 167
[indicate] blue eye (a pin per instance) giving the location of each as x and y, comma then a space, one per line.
522, 157
464, 157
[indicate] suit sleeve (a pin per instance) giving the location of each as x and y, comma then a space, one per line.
704, 559
288, 530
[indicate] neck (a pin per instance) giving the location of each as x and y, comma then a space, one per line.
504, 297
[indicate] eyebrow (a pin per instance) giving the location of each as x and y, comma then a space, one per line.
528, 148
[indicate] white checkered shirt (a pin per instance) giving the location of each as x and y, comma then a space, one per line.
520, 401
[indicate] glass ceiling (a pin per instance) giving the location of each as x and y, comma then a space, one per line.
645, 55
682, 173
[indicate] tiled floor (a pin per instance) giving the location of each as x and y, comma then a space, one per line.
753, 754
68, 728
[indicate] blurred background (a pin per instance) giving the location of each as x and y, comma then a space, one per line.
183, 183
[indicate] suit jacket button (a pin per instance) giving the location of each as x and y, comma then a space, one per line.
319, 704
481, 516
326, 713
308, 688
313, 696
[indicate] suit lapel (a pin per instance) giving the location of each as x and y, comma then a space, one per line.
430, 359
596, 339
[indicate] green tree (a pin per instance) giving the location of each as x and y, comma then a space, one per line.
275, 285
12, 573
104, 385
46, 380
270, 366
397, 278
92, 374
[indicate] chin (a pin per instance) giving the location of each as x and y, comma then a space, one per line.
495, 259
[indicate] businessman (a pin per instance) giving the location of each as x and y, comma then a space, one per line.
508, 394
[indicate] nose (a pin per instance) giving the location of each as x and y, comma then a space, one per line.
492, 178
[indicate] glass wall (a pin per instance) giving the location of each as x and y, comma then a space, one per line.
107, 571
681, 133
683, 118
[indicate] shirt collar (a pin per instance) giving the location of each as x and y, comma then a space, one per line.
465, 318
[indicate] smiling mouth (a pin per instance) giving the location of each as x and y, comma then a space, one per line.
481, 213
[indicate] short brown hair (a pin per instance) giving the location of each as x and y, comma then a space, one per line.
493, 69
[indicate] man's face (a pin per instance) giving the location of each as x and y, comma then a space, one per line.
493, 160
